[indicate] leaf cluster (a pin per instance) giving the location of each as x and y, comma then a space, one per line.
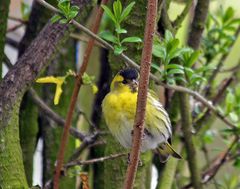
176, 62
219, 35
117, 16
67, 12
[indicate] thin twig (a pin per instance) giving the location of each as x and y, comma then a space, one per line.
77, 86
142, 94
131, 63
17, 26
178, 21
84, 39
17, 19
92, 161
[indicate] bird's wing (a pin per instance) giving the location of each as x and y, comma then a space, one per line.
156, 116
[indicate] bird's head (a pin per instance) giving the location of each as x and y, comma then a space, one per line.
125, 80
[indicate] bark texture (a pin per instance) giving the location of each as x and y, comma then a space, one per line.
198, 23
28, 116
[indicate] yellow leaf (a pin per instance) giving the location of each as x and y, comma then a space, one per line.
56, 80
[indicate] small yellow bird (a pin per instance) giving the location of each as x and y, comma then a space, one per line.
119, 108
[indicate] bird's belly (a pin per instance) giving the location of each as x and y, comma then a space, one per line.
119, 113
122, 129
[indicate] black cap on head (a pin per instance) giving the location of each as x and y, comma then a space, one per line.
129, 73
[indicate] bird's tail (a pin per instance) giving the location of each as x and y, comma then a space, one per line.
164, 150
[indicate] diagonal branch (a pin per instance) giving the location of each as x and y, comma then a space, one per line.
177, 23
92, 161
142, 93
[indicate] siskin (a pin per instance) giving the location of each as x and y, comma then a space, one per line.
119, 109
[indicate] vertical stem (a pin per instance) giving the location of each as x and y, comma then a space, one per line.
142, 93
77, 86
190, 148
194, 41
198, 23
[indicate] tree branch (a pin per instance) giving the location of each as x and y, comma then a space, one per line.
142, 93
92, 161
77, 86
178, 21
198, 23
186, 119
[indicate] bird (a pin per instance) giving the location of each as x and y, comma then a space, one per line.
119, 109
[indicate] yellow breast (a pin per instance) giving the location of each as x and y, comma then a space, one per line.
118, 107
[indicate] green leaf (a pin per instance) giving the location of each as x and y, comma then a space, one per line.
74, 8
118, 50
64, 21
159, 51
64, 6
175, 71
168, 36
189, 72
237, 162
107, 35
233, 116
193, 58
228, 15
174, 66
230, 100
132, 40
156, 67
25, 11
109, 13
196, 78
180, 79
72, 14
55, 18
126, 11
120, 30
117, 9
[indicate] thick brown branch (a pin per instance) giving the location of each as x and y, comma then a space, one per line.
198, 23
142, 93
77, 86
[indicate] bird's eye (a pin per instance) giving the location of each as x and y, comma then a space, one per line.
124, 81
